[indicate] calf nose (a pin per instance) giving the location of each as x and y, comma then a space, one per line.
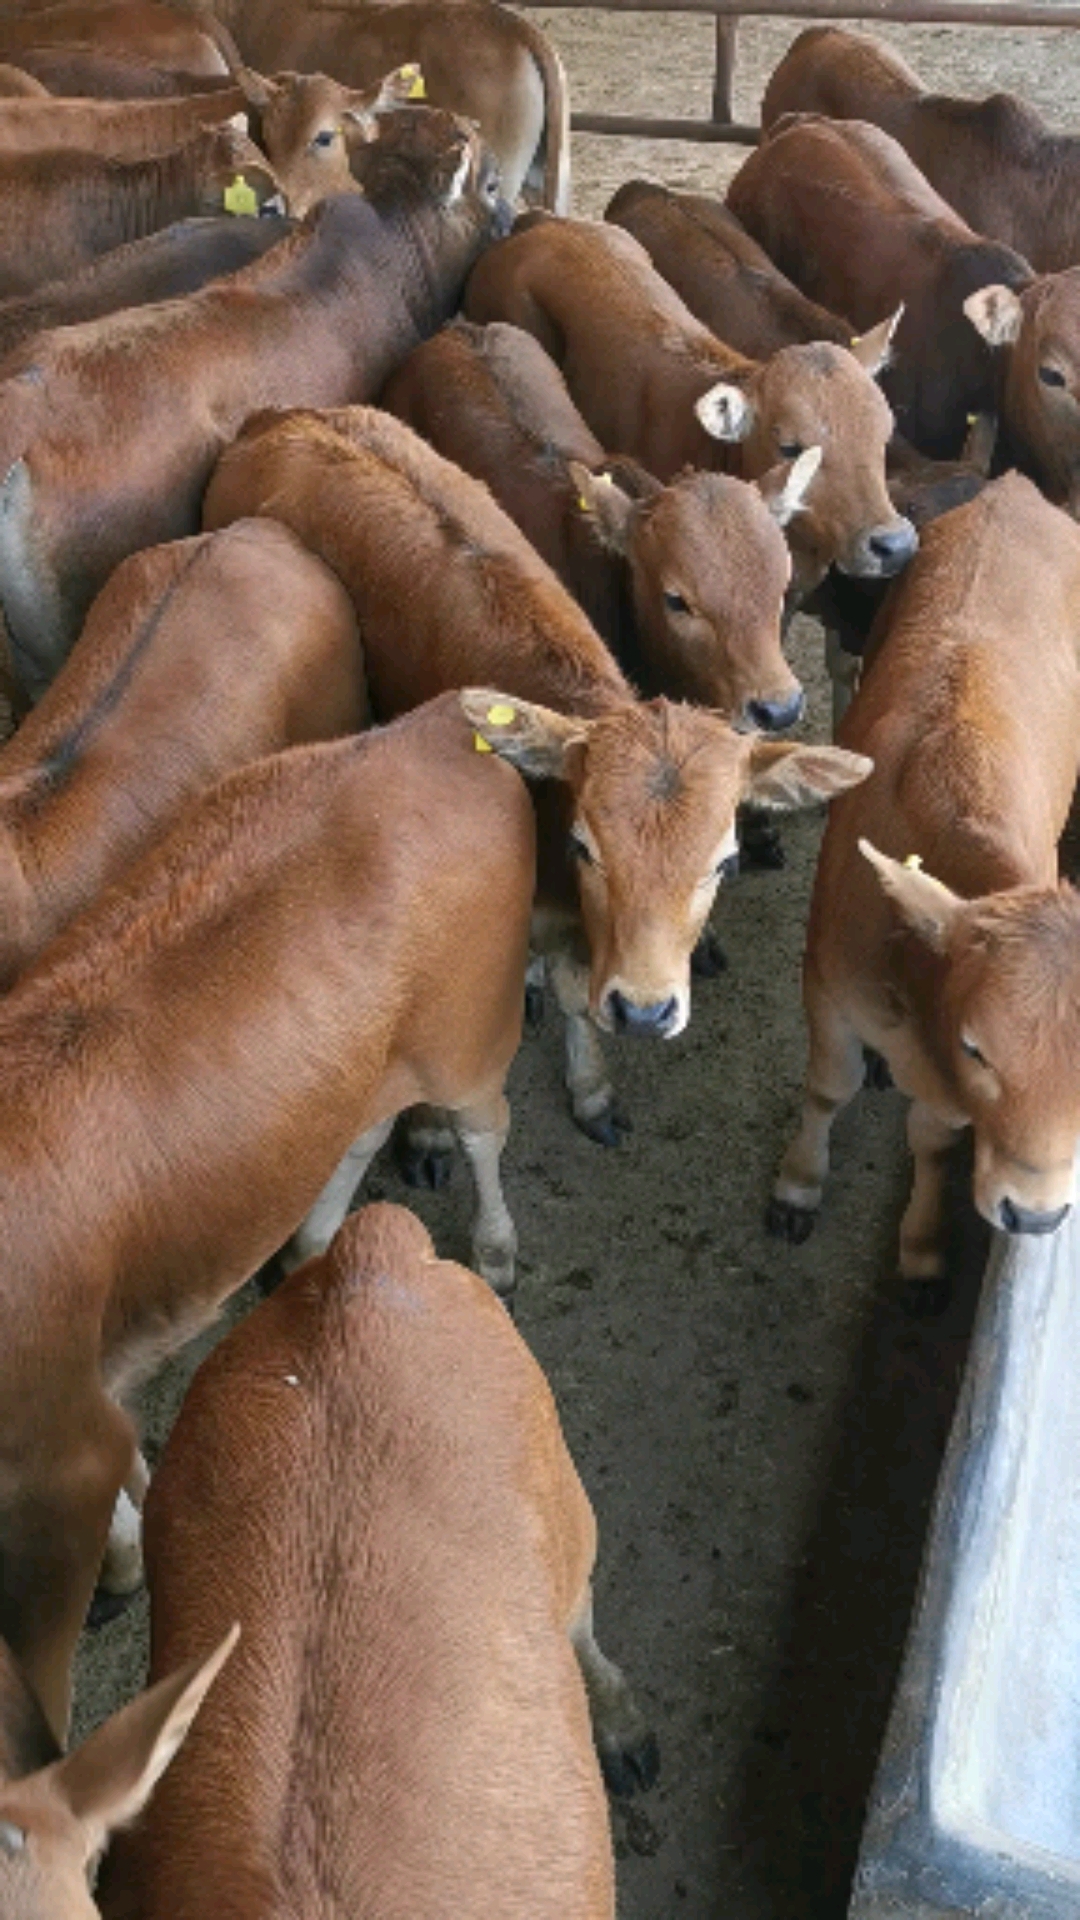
1016, 1219
772, 716
626, 1017
893, 546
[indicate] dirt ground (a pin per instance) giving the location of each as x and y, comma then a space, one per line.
758, 1426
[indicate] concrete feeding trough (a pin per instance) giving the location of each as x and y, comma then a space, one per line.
976, 1804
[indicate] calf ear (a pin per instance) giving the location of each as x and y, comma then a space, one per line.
873, 350
534, 739
725, 412
928, 906
363, 108
606, 505
108, 1780
784, 488
996, 313
783, 773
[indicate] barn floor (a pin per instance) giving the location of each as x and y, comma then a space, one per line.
759, 1427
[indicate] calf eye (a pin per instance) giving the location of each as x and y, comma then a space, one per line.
1051, 376
578, 850
324, 139
790, 449
729, 866
675, 603
967, 1045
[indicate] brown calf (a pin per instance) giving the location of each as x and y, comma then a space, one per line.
652, 789
965, 976
455, 1687
109, 431
994, 160
177, 260
654, 383
842, 209
725, 278
686, 583
55, 1813
483, 61
158, 35
210, 1056
61, 209
1039, 333
196, 658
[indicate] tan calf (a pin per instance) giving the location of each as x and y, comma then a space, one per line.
686, 583
55, 1813
380, 1412
652, 382
652, 789
940, 934
196, 658
1038, 330
208, 1058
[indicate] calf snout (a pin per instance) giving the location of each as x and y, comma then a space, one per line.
1016, 1219
657, 1019
883, 551
772, 716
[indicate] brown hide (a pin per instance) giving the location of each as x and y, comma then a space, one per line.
724, 277
841, 208
196, 658
637, 362
109, 430
186, 1065
994, 160
16, 84
485, 62
378, 1413
61, 209
965, 976
115, 130
685, 583
178, 260
159, 35
71, 71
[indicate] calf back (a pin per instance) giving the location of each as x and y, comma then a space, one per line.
373, 1466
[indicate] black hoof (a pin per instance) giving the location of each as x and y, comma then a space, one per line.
424, 1166
708, 958
534, 1007
924, 1299
608, 1129
107, 1606
876, 1071
631, 1770
787, 1222
760, 846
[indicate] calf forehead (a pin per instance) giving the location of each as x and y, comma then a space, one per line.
660, 784
716, 531
1019, 974
823, 387
1052, 309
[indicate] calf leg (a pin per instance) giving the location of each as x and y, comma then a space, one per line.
844, 670
482, 1130
626, 1746
921, 1258
121, 1573
314, 1234
834, 1076
592, 1098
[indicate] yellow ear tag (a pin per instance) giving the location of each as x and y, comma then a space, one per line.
501, 716
971, 419
914, 862
240, 198
583, 503
482, 745
417, 89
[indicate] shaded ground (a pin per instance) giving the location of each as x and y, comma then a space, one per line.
758, 1427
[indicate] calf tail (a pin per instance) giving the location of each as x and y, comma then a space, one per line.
556, 137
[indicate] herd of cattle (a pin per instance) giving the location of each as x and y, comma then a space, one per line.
243, 932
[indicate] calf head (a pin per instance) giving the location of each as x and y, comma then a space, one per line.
822, 395
1039, 328
308, 125
427, 157
237, 178
1007, 1033
57, 1813
710, 571
654, 788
